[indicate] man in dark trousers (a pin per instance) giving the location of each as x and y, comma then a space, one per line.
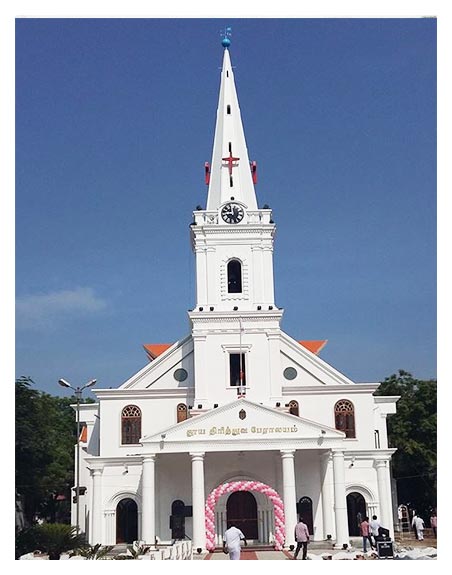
302, 538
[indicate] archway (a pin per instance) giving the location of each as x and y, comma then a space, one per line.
304, 509
241, 511
356, 511
126, 521
234, 486
177, 519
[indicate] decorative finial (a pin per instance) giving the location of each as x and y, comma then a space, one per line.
226, 42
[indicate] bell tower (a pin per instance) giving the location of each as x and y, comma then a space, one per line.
233, 244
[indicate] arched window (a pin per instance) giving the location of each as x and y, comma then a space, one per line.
344, 417
181, 412
293, 408
130, 425
234, 277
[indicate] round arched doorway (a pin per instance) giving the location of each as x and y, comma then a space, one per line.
126, 521
241, 511
356, 511
304, 509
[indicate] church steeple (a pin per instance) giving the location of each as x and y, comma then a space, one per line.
230, 173
232, 238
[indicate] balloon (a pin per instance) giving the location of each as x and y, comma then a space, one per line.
233, 486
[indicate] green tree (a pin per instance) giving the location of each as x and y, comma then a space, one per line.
412, 430
45, 439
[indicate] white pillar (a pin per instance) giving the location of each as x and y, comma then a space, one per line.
327, 496
258, 275
201, 276
274, 355
212, 294
148, 499
96, 507
290, 498
340, 500
384, 486
269, 296
201, 374
198, 499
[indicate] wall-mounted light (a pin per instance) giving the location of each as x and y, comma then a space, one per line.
215, 405
211, 308
199, 405
201, 308
270, 307
278, 404
259, 307
235, 308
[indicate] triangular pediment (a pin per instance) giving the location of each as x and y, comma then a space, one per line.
171, 369
307, 368
243, 421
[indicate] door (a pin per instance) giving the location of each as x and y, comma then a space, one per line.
356, 511
241, 511
304, 509
126, 521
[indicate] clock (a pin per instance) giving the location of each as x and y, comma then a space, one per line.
232, 213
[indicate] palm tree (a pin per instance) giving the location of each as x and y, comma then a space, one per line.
56, 538
97, 551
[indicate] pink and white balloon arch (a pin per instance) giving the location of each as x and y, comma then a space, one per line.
233, 486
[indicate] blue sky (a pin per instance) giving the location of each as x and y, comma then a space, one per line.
114, 121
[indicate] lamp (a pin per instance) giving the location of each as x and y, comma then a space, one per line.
78, 395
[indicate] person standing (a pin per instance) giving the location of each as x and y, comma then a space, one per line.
413, 524
365, 533
433, 523
302, 538
231, 542
374, 527
419, 523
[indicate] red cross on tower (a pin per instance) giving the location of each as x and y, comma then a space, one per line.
229, 160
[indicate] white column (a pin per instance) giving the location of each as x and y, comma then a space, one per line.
340, 501
201, 375
110, 527
383, 481
290, 498
266, 526
201, 275
212, 274
327, 495
198, 499
148, 499
258, 276
269, 296
96, 508
274, 355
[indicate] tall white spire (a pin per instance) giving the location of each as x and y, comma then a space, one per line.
230, 171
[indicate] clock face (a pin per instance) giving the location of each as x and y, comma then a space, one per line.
232, 213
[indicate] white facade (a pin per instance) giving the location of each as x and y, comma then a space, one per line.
235, 384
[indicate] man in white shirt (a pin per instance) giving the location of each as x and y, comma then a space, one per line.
374, 527
419, 524
231, 542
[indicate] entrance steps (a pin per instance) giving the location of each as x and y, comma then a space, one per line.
117, 549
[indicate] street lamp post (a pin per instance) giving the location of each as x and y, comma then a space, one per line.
78, 395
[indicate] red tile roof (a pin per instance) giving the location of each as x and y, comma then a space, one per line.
84, 434
315, 346
155, 349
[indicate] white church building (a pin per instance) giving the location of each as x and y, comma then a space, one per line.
237, 422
